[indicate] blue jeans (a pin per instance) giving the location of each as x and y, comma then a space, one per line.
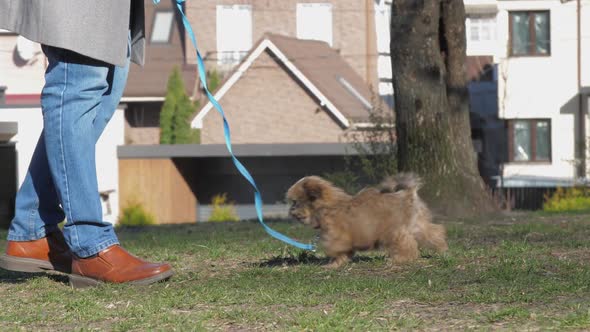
78, 100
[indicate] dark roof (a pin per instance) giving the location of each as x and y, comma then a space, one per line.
326, 69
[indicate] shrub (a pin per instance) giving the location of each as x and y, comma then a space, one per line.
213, 80
574, 199
134, 214
176, 113
222, 209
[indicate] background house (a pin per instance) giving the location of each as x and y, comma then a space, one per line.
542, 74
357, 29
539, 52
288, 90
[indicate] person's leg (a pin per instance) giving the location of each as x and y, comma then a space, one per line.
79, 98
117, 79
113, 263
34, 241
71, 103
77, 106
37, 209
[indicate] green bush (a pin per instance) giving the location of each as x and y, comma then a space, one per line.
222, 209
213, 80
135, 215
176, 114
574, 199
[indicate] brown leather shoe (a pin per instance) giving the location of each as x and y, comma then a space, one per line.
50, 253
116, 265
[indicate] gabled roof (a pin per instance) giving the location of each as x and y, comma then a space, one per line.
318, 68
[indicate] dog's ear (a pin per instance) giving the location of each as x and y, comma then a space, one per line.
313, 190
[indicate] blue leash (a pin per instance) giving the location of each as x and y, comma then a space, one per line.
237, 163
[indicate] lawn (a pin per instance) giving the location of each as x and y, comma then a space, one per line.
517, 271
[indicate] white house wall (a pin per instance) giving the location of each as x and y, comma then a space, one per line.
382, 27
531, 87
27, 76
585, 43
30, 124
107, 163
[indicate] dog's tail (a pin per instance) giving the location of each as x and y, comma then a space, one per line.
427, 234
399, 182
431, 236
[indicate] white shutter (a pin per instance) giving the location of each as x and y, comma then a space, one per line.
382, 22
314, 21
382, 27
481, 35
234, 32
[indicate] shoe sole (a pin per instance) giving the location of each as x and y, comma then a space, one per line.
20, 264
78, 281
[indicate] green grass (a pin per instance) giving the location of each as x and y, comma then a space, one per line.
513, 272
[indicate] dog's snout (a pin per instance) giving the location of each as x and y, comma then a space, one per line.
295, 213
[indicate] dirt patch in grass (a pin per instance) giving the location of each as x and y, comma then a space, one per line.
581, 256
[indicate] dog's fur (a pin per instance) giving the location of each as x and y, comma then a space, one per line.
390, 216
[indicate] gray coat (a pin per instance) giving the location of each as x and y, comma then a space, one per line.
95, 28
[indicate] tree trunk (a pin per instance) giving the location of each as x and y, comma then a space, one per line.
431, 104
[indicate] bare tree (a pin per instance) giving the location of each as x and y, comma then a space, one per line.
431, 104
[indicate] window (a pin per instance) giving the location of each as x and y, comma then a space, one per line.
382, 26
314, 21
162, 27
234, 32
480, 33
530, 140
529, 33
481, 29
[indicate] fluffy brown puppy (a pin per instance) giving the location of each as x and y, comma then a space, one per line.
390, 216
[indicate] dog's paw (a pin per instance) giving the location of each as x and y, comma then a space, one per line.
337, 262
332, 266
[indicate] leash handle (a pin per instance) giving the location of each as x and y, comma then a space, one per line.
241, 168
